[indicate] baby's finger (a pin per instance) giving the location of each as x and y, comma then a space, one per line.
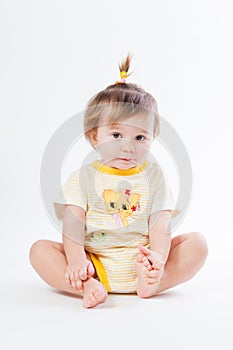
76, 275
79, 285
90, 270
144, 250
145, 261
147, 264
83, 273
72, 279
67, 277
139, 257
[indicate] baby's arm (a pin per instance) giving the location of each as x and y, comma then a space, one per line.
79, 268
159, 233
160, 242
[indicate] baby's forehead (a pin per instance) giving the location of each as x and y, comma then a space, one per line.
114, 125
126, 125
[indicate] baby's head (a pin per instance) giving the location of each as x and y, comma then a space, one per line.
125, 113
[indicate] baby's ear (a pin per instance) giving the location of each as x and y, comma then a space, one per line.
93, 137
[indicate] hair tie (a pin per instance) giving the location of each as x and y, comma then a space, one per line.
123, 75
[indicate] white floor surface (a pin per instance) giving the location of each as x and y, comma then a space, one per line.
195, 315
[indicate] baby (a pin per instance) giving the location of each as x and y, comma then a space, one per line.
116, 211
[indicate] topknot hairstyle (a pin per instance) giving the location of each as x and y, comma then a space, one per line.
119, 102
124, 66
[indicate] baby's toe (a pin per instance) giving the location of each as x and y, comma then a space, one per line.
151, 273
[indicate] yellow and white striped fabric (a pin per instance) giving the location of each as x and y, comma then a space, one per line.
118, 204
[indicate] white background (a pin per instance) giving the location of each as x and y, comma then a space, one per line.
54, 56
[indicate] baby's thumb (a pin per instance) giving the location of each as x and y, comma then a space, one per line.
144, 250
90, 269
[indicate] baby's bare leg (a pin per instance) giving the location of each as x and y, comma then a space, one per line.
187, 255
49, 260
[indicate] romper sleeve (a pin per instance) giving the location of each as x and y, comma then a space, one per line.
73, 192
162, 195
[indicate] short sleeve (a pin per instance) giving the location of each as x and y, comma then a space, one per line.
73, 192
162, 195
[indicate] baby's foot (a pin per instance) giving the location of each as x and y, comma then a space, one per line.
94, 293
147, 278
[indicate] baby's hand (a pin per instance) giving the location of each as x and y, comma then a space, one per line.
151, 260
153, 267
77, 272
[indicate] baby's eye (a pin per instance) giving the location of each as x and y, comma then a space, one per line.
116, 135
140, 137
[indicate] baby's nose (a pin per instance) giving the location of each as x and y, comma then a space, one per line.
127, 146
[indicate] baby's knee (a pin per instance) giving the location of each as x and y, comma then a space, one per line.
36, 250
200, 243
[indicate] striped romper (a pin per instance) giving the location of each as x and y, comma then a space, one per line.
118, 204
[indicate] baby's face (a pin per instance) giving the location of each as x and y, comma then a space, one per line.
126, 144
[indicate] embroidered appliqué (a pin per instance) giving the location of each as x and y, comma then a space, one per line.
98, 236
121, 205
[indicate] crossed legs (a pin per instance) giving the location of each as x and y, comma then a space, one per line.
187, 255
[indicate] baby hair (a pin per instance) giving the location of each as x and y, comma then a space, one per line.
119, 102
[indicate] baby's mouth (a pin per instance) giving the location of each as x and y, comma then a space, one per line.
126, 159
